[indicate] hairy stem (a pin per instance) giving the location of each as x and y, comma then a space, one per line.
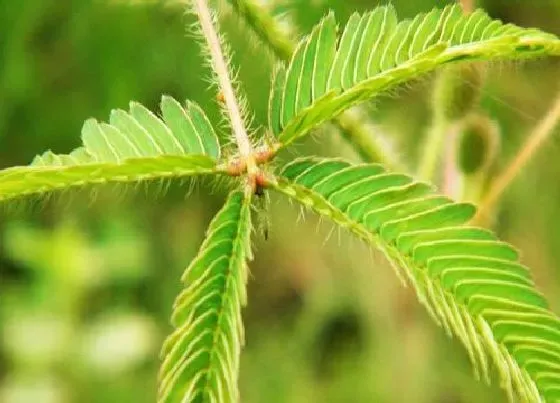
282, 46
541, 132
220, 67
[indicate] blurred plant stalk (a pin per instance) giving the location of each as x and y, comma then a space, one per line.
456, 96
543, 130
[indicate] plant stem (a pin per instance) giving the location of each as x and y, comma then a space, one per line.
451, 103
220, 67
358, 134
265, 28
543, 130
432, 147
351, 128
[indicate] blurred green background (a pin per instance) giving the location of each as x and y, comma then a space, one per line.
87, 279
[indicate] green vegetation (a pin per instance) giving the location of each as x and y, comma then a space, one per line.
474, 286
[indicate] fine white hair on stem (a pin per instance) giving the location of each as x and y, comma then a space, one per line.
220, 67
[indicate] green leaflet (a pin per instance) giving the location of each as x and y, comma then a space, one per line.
201, 357
472, 284
375, 52
135, 146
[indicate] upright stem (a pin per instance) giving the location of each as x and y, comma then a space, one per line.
451, 103
535, 140
432, 147
221, 69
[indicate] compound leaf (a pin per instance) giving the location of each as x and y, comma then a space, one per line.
135, 146
472, 284
201, 356
375, 52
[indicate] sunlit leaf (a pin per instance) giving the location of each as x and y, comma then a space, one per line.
472, 284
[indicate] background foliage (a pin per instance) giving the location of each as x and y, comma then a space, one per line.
86, 286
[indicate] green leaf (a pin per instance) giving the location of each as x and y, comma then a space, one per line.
472, 284
201, 357
375, 53
135, 146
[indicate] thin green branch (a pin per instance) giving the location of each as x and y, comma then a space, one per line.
535, 140
432, 148
367, 146
351, 128
265, 28
454, 97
